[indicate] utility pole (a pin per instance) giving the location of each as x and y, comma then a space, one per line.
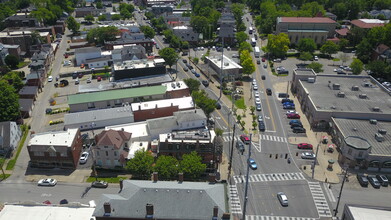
340, 192
316, 159
231, 154
247, 175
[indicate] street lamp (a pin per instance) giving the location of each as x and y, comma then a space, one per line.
340, 191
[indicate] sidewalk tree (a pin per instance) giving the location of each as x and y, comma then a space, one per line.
238, 118
169, 55
73, 25
102, 18
241, 37
9, 102
245, 46
191, 165
148, 31
252, 109
247, 62
12, 61
306, 45
278, 44
193, 84
305, 56
202, 100
357, 66
329, 48
255, 124
317, 67
219, 132
89, 18
167, 167
141, 164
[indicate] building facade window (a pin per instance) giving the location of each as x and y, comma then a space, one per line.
52, 154
107, 153
39, 153
91, 105
360, 154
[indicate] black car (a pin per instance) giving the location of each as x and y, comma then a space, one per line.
190, 67
261, 126
298, 130
363, 180
263, 77
269, 91
218, 105
205, 83
297, 125
184, 54
382, 179
374, 181
240, 146
258, 61
256, 37
184, 61
286, 100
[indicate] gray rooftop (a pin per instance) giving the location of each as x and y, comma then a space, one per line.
29, 90
190, 115
170, 200
305, 71
362, 128
87, 50
163, 122
325, 98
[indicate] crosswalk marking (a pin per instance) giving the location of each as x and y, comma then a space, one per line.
269, 177
265, 217
272, 138
234, 200
319, 199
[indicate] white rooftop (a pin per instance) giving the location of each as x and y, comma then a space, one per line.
55, 138
182, 103
188, 136
137, 64
13, 33
135, 146
362, 213
106, 53
172, 86
47, 212
372, 21
138, 130
181, 27
227, 62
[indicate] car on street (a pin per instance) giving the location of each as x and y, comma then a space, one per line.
218, 105
291, 112
255, 87
193, 71
304, 146
254, 82
363, 180
282, 198
263, 76
258, 61
184, 61
240, 146
99, 184
89, 80
298, 130
205, 83
286, 100
382, 179
268, 91
77, 81
260, 118
245, 139
374, 181
261, 126
197, 75
263, 59
295, 125
185, 69
251, 162
308, 155
50, 78
316, 58
265, 65
47, 182
258, 107
294, 122
99, 78
257, 101
293, 116
288, 103
288, 107
256, 94
84, 157
184, 54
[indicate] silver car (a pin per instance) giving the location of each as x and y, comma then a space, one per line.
282, 198
308, 155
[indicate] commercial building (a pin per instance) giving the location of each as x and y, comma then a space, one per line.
83, 54
316, 28
82, 12
21, 20
325, 96
21, 38
225, 68
138, 68
59, 149
227, 28
148, 44
367, 23
361, 212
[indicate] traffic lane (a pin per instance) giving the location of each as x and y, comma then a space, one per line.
262, 197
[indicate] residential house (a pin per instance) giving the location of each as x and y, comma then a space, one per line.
342, 33
83, 54
128, 52
82, 12
138, 68
3, 54
227, 28
13, 50
317, 28
10, 134
57, 149
111, 148
140, 199
26, 107
21, 20
331, 15
186, 33
176, 19
382, 52
98, 62
21, 38
132, 35
36, 77
385, 12
29, 92
44, 57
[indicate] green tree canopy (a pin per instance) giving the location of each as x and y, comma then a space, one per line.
278, 44
317, 67
246, 62
305, 56
14, 79
9, 102
199, 23
148, 31
193, 84
241, 37
169, 55
72, 24
357, 66
364, 50
99, 4
101, 34
167, 167
306, 45
378, 68
102, 18
245, 46
202, 100
116, 17
191, 165
141, 164
329, 48
89, 18
12, 61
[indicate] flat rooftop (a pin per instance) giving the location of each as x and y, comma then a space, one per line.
369, 95
182, 103
366, 130
138, 64
305, 71
97, 115
55, 138
135, 146
172, 86
227, 62
189, 136
138, 129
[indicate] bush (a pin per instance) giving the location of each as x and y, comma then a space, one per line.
56, 122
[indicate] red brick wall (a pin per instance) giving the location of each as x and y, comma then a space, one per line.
142, 115
178, 93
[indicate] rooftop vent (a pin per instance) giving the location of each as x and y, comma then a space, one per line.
355, 88
354, 129
341, 95
379, 137
336, 86
226, 64
333, 107
373, 121
382, 131
362, 96
376, 109
367, 84
311, 80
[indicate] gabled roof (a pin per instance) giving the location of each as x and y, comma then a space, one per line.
367, 23
342, 32
381, 48
112, 138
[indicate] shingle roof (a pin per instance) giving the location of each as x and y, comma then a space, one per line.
306, 20
29, 90
112, 138
343, 31
170, 200
87, 50
116, 94
190, 115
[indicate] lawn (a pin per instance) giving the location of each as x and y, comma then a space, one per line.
11, 163
22, 64
238, 103
107, 179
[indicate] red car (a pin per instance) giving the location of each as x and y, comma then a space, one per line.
99, 79
245, 139
263, 59
304, 146
66, 55
293, 116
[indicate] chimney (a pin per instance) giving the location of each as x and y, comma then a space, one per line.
139, 107
107, 208
149, 211
180, 179
155, 176
215, 212
212, 178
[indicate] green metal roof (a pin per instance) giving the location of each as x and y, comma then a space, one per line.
116, 94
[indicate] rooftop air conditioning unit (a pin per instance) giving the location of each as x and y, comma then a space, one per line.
336, 86
379, 137
226, 64
311, 80
373, 121
355, 88
341, 95
382, 131
367, 84
362, 96
376, 109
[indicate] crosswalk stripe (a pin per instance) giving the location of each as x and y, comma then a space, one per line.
319, 199
277, 177
266, 217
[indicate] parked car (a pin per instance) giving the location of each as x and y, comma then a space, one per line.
240, 146
363, 180
258, 107
263, 59
268, 91
197, 75
294, 122
291, 112
77, 81
263, 77
293, 116
256, 94
261, 126
50, 78
193, 71
298, 130
260, 118
288, 103
304, 146
374, 181
286, 100
84, 157
383, 180
255, 87
218, 105
308, 155
288, 107
99, 79
316, 58
185, 69
99, 184
258, 61
245, 139
295, 125
257, 101
205, 83
89, 80
282, 198
47, 182
265, 65
184, 54
251, 162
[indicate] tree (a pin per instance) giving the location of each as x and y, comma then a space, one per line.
44, 15
12, 61
245, 46
9, 102
89, 18
102, 18
306, 45
317, 67
148, 31
101, 34
241, 37
377, 68
73, 25
305, 56
166, 166
199, 23
278, 44
193, 84
343, 43
202, 100
252, 109
14, 80
125, 14
99, 5
116, 17
364, 50
191, 165
357, 66
219, 132
185, 45
169, 55
141, 164
247, 62
255, 124
329, 48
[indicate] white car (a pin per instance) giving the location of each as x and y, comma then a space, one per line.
254, 82
84, 157
308, 155
257, 101
47, 182
255, 87
316, 58
282, 198
50, 78
291, 112
256, 94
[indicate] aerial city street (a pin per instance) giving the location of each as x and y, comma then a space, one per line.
195, 109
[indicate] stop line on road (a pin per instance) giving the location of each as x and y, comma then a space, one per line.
269, 177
